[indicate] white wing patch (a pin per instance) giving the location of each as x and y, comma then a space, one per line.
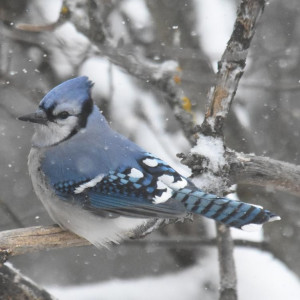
165, 196
88, 184
150, 162
169, 181
136, 173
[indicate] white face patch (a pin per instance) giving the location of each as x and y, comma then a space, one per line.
165, 196
169, 181
88, 184
150, 162
135, 173
52, 133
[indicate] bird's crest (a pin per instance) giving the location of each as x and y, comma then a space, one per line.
76, 91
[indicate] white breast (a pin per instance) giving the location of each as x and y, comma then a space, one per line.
98, 230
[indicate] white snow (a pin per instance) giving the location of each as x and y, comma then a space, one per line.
91, 68
75, 45
166, 67
50, 12
260, 277
208, 182
177, 286
138, 12
213, 149
215, 24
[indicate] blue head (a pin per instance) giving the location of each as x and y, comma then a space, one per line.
62, 112
72, 94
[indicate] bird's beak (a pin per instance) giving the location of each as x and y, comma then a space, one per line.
39, 117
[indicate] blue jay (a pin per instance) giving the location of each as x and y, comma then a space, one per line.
100, 185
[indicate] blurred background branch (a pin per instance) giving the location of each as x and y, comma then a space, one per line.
13, 285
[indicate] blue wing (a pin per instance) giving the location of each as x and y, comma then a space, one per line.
133, 192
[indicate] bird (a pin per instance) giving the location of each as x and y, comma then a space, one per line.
102, 186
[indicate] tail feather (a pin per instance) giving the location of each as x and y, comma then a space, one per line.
230, 212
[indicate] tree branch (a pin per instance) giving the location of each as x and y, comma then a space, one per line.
230, 70
264, 171
251, 169
231, 66
32, 239
228, 278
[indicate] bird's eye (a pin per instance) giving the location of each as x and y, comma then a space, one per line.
63, 115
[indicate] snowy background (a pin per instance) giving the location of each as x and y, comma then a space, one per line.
265, 119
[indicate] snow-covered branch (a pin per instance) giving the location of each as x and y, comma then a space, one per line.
210, 148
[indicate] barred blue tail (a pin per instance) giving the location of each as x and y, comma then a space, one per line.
230, 212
